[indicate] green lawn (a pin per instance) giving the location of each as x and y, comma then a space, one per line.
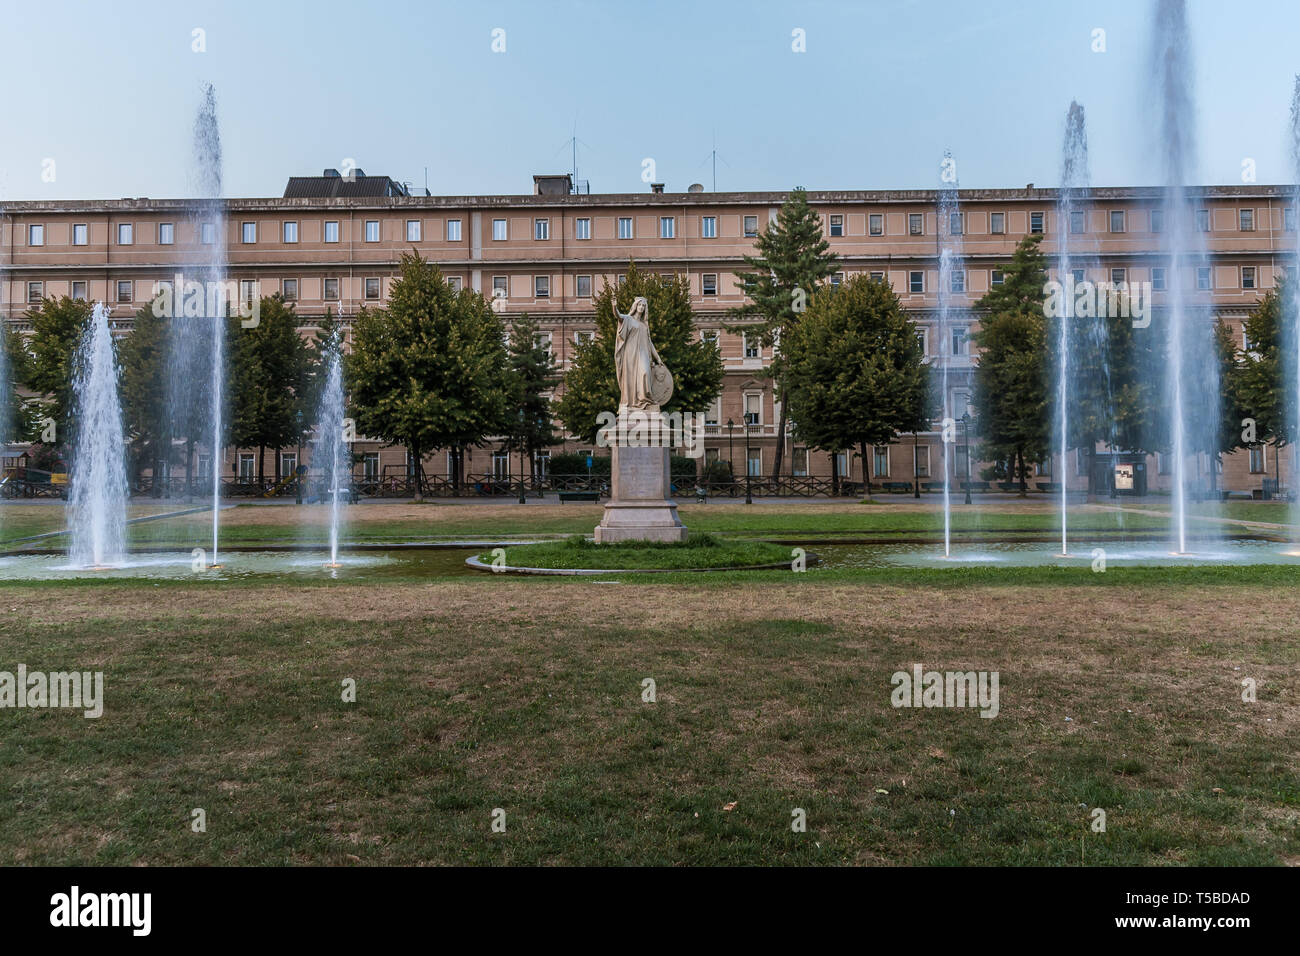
699, 551
772, 694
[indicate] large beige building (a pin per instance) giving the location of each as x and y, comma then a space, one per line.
333, 244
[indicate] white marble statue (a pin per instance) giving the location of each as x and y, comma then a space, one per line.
643, 379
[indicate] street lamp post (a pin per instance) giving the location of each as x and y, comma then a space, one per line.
749, 498
965, 438
731, 463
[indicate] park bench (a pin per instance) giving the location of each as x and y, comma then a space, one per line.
975, 485
1048, 486
894, 487
932, 486
579, 496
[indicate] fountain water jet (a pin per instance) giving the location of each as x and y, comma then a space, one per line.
1193, 383
98, 493
949, 259
1292, 291
330, 449
197, 341
1074, 184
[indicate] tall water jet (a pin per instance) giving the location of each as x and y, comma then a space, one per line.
1292, 290
1074, 185
98, 493
330, 451
948, 240
197, 332
1192, 387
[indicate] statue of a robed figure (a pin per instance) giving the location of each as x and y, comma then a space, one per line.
641, 506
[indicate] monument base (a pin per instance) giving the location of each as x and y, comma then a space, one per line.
641, 507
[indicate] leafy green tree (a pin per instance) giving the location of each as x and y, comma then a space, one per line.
57, 325
855, 369
532, 375
1263, 380
429, 371
793, 260
18, 417
591, 384
144, 356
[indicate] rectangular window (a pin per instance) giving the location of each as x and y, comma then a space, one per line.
370, 466
248, 232
454, 283
625, 227
921, 461
709, 283
1078, 275
500, 287
583, 337
711, 336
372, 288
751, 227
208, 233
166, 233
79, 291
916, 282
288, 463
1157, 220
247, 290
331, 288
1257, 463
876, 276
414, 230
752, 348
289, 290
1157, 278
453, 230
125, 234
80, 234
1117, 220
799, 467
542, 286
1078, 222
124, 290
584, 287
1203, 278
1117, 276
36, 289
1248, 277
1246, 220
372, 230
837, 225
36, 235
998, 223
247, 467
582, 228
996, 277
753, 408
667, 227
755, 463
959, 340
713, 414
957, 281
1202, 220
954, 224
290, 232
499, 230
876, 224
880, 461
709, 227
1288, 221
915, 224
541, 229
331, 230
1036, 223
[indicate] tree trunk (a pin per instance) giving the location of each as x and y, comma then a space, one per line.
261, 466
1024, 488
276, 451
416, 457
866, 475
779, 457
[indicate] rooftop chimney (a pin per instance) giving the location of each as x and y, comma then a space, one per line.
656, 187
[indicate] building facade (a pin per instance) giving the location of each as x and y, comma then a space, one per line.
548, 253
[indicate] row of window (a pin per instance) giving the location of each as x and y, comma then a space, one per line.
1117, 220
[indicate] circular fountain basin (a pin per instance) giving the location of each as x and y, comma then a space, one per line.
242, 564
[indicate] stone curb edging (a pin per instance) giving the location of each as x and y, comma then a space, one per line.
478, 565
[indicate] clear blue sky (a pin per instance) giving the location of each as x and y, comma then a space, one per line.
109, 90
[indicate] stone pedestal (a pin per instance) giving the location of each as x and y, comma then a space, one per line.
641, 507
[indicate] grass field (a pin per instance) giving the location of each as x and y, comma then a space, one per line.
772, 694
